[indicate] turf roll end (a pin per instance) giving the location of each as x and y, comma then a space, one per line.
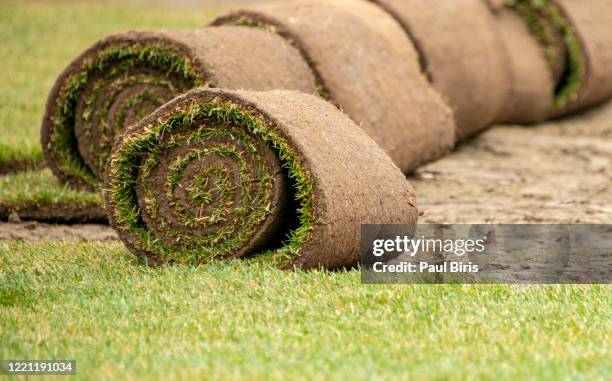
124, 77
217, 174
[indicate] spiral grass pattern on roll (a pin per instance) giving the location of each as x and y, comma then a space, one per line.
107, 89
209, 185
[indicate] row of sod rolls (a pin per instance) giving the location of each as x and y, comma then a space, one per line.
350, 52
285, 176
461, 53
493, 61
511, 61
514, 61
126, 76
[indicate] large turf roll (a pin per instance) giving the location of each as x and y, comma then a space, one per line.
217, 174
462, 54
125, 76
366, 65
532, 83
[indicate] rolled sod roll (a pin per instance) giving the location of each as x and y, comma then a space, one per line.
559, 43
591, 21
365, 64
545, 30
462, 54
124, 77
217, 174
532, 84
583, 29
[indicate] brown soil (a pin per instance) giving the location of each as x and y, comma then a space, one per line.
61, 213
558, 172
37, 231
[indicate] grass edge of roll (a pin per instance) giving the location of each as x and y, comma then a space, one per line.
575, 73
57, 131
119, 194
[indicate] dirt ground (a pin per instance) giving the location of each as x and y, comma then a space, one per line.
38, 231
54, 213
558, 172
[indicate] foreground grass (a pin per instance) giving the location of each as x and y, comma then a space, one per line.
40, 38
41, 187
120, 319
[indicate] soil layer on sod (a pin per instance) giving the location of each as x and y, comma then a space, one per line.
532, 85
194, 181
126, 76
44, 232
462, 55
365, 64
37, 195
12, 166
57, 212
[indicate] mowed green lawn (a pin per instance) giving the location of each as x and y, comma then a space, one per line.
40, 38
120, 319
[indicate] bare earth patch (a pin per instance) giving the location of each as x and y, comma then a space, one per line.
37, 231
558, 172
